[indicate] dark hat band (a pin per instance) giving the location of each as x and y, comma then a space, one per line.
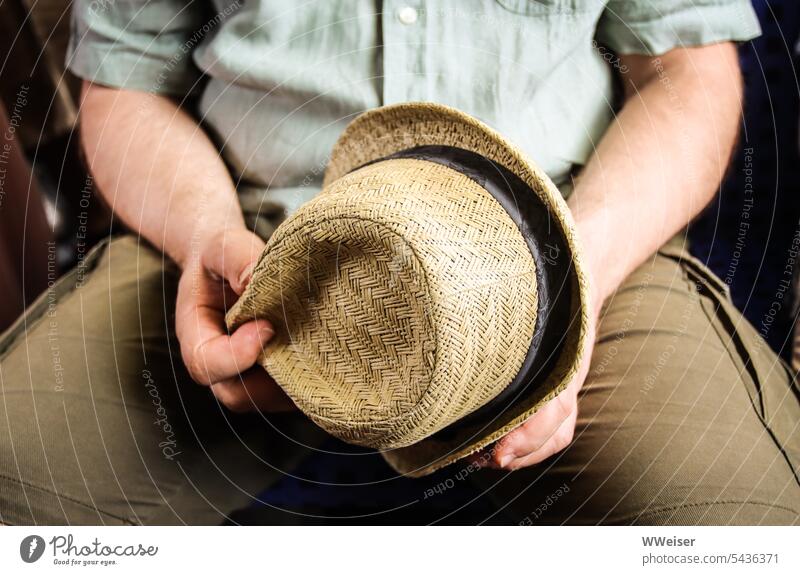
553, 259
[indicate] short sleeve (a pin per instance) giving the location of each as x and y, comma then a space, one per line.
136, 44
654, 27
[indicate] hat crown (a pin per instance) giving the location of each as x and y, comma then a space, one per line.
404, 297
472, 351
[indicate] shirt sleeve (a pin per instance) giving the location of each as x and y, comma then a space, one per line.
653, 27
136, 44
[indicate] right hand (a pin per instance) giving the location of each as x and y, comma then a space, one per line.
211, 283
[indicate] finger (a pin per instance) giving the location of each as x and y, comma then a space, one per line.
537, 430
254, 390
486, 456
211, 355
557, 442
232, 256
482, 458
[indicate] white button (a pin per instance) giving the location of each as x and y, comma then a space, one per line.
407, 15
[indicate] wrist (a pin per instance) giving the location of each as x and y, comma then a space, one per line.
598, 264
596, 294
205, 234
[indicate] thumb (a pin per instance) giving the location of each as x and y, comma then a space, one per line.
232, 255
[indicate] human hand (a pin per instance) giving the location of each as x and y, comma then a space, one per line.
550, 429
211, 283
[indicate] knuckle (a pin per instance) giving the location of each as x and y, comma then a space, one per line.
565, 406
188, 356
506, 442
198, 371
191, 366
201, 367
565, 436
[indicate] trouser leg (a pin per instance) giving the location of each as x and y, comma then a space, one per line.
100, 423
686, 417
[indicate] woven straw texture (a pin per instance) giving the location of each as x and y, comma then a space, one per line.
404, 298
390, 129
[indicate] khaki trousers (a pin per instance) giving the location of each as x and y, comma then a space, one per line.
687, 417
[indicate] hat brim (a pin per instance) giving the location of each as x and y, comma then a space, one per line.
384, 131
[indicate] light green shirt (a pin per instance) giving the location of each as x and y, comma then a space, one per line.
277, 81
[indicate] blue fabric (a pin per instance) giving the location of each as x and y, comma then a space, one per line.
342, 483
752, 258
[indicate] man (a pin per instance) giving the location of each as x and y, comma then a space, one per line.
205, 122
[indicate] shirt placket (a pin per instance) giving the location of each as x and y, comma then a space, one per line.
403, 23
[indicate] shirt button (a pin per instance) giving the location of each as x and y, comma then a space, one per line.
407, 15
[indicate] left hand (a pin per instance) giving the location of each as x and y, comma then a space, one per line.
550, 429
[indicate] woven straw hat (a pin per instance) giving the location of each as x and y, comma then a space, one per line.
431, 298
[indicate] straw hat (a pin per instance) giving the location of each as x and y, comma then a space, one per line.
431, 298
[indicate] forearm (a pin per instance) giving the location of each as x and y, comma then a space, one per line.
661, 160
158, 170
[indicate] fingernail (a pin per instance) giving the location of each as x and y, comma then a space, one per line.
265, 332
506, 459
244, 277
